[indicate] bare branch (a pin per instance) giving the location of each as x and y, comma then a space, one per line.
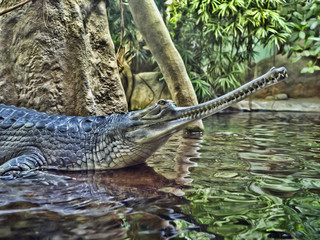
14, 7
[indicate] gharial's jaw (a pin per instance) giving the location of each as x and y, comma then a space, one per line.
155, 123
163, 119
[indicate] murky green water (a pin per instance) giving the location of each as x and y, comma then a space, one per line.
251, 176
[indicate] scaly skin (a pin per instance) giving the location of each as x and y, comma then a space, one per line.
33, 140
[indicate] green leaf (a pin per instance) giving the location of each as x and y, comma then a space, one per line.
309, 64
302, 35
296, 48
294, 36
317, 68
309, 14
298, 15
305, 53
306, 70
308, 42
315, 38
310, 69
296, 59
314, 25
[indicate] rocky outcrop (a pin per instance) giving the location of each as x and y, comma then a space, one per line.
147, 90
297, 85
57, 56
299, 92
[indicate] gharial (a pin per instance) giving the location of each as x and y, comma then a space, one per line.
33, 140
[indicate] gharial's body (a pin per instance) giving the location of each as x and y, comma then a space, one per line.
66, 142
33, 140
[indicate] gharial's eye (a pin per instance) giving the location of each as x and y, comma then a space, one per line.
162, 102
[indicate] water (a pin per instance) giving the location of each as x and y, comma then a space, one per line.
250, 176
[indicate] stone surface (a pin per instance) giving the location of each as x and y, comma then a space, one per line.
297, 85
281, 96
297, 105
57, 56
147, 90
269, 98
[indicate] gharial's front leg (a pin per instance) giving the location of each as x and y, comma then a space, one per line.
27, 160
22, 166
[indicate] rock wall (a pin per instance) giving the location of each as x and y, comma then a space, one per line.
297, 85
147, 90
57, 56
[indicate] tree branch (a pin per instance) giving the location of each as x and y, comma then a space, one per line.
122, 25
14, 7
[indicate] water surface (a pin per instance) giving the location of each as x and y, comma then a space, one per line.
250, 176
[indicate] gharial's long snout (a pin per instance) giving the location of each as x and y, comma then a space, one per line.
273, 76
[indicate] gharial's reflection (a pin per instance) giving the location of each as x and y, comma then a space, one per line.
174, 160
188, 149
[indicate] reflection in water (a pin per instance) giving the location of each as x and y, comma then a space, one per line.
251, 176
188, 149
175, 158
107, 204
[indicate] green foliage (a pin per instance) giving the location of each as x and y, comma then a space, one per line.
216, 38
135, 48
304, 21
114, 18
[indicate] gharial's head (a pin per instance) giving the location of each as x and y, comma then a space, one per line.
157, 123
136, 135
